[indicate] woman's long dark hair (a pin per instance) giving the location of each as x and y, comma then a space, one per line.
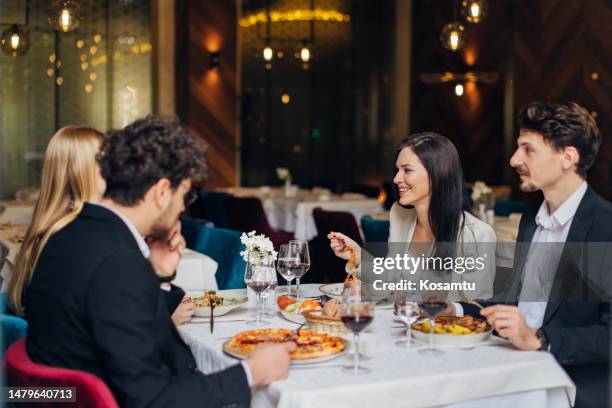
441, 160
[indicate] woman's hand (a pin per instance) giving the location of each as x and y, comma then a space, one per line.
342, 246
183, 312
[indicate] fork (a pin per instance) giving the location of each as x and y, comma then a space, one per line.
468, 300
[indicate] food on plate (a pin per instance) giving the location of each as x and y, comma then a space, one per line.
453, 325
284, 301
303, 306
309, 344
332, 309
209, 297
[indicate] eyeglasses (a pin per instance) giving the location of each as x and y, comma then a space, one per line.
190, 197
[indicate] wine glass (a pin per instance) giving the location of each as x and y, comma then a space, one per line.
407, 312
258, 276
356, 316
301, 256
285, 258
432, 305
270, 290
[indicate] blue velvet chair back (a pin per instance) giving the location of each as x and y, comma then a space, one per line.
190, 228
224, 246
506, 207
374, 230
13, 327
214, 206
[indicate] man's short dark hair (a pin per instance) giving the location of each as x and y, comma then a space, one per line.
136, 157
563, 125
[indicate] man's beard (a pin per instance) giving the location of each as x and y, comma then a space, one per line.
528, 187
161, 228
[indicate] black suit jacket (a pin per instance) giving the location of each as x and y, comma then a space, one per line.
94, 304
577, 320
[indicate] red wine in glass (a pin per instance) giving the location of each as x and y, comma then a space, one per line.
432, 308
356, 322
258, 286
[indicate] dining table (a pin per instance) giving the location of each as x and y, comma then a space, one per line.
293, 212
491, 374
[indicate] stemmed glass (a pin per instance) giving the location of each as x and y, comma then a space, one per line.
258, 275
269, 291
356, 315
301, 262
407, 312
285, 259
432, 305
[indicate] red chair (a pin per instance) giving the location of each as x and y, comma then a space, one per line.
247, 214
22, 372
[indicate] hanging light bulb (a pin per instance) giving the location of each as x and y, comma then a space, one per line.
305, 53
459, 89
65, 15
14, 41
474, 11
453, 36
268, 53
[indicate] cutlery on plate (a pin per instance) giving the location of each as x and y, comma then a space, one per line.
468, 300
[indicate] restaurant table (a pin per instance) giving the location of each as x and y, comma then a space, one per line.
294, 214
196, 271
493, 374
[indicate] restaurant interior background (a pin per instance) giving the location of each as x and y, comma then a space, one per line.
373, 72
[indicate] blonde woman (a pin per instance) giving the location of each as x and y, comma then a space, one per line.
70, 177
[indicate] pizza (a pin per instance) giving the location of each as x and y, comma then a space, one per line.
310, 344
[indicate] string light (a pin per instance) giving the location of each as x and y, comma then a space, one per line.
305, 54
459, 89
295, 15
268, 53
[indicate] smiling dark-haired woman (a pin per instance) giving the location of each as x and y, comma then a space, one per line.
429, 213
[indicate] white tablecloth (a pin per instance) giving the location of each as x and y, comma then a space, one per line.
294, 214
196, 271
488, 376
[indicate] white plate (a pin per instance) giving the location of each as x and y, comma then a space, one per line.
452, 339
293, 317
292, 362
333, 290
230, 302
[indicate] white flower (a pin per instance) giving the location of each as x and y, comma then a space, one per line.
259, 243
283, 173
480, 191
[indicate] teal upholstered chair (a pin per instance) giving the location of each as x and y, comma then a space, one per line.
224, 246
13, 327
506, 207
190, 228
374, 230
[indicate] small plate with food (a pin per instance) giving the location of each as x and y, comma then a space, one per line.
450, 330
291, 309
222, 303
312, 347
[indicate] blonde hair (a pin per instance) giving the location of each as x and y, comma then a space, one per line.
69, 179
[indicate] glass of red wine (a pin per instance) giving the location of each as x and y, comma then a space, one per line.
432, 305
259, 274
301, 256
356, 316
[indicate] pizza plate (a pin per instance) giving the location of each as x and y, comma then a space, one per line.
241, 356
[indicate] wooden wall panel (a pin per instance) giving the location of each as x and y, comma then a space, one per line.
206, 98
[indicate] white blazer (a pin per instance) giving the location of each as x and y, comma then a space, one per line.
478, 237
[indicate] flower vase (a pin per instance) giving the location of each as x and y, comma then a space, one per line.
482, 212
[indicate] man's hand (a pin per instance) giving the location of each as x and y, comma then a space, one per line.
183, 312
270, 362
165, 255
509, 323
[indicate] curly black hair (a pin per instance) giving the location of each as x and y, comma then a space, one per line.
134, 158
564, 124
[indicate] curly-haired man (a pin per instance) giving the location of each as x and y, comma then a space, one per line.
103, 312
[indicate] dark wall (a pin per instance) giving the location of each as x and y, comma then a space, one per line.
207, 98
540, 50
